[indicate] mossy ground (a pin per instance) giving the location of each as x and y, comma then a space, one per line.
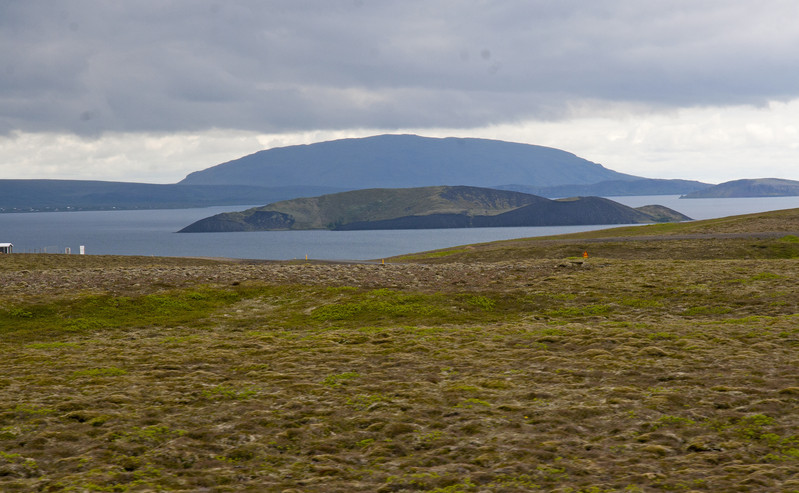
529, 375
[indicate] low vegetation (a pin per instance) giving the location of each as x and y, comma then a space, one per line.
430, 208
761, 235
535, 370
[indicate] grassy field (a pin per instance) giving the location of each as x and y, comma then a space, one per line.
666, 363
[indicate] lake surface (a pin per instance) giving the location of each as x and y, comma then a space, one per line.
152, 232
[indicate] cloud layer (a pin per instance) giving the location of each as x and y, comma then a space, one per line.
87, 67
92, 68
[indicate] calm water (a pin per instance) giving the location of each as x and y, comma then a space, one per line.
153, 232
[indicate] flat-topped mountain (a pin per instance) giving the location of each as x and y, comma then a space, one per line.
761, 187
382, 161
401, 161
430, 207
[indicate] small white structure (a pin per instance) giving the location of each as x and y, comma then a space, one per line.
6, 247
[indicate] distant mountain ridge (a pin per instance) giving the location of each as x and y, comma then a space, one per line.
760, 187
430, 207
407, 161
78, 195
381, 161
615, 188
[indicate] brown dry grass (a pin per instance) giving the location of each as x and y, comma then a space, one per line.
537, 374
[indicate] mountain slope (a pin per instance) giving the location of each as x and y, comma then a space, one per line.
400, 161
615, 188
429, 207
69, 195
762, 187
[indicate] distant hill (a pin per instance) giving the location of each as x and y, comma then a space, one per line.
430, 207
762, 187
76, 195
401, 161
382, 161
615, 188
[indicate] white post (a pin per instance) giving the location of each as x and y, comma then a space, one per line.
82, 250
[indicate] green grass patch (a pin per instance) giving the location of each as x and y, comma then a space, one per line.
148, 434
432, 255
339, 379
101, 312
580, 311
765, 276
482, 302
383, 303
670, 421
28, 410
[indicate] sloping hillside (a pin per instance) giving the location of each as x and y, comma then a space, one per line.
383, 161
399, 161
615, 188
762, 235
76, 195
428, 207
762, 187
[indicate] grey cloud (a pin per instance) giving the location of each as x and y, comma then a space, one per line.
274, 66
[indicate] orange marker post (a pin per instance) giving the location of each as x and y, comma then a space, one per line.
585, 254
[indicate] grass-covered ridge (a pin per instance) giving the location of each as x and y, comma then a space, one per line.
761, 235
535, 374
430, 207
376, 204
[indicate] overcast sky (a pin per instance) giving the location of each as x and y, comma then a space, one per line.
150, 90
